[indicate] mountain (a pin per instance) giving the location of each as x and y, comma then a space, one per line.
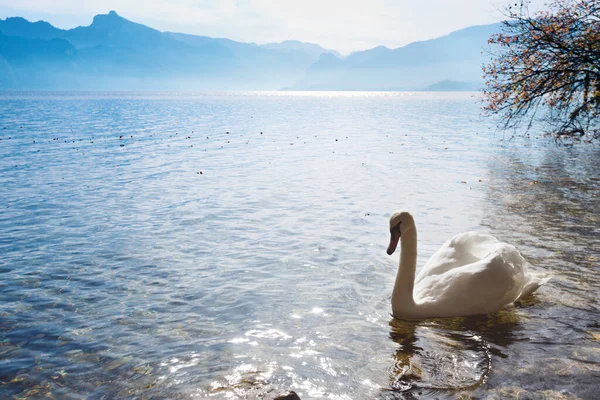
452, 86
17, 26
110, 53
35, 61
261, 63
454, 57
115, 53
105, 30
294, 45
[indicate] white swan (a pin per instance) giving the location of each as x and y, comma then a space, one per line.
470, 274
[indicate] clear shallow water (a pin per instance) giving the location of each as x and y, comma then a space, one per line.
146, 252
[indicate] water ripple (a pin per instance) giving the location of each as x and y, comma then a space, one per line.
232, 245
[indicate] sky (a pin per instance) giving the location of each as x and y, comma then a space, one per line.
342, 25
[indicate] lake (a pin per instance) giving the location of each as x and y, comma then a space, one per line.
233, 245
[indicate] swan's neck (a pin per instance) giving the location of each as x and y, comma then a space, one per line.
402, 297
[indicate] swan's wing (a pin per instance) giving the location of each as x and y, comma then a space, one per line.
481, 287
462, 249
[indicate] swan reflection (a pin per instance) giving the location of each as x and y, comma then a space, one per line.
452, 354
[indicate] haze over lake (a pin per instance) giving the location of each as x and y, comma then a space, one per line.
181, 245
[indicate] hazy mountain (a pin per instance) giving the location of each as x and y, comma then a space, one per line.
452, 86
455, 57
285, 65
17, 26
115, 53
195, 40
105, 30
36, 61
294, 45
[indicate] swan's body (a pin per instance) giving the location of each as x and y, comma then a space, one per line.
470, 274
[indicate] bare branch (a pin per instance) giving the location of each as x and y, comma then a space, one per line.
549, 64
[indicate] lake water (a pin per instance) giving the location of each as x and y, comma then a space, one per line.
164, 245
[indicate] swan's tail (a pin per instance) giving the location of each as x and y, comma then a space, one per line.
535, 280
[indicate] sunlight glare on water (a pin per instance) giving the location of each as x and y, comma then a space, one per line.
232, 245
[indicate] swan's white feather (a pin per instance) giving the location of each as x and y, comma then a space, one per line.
479, 287
472, 273
462, 249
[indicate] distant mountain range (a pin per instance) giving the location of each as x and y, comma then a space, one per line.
114, 53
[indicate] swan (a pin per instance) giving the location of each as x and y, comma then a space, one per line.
471, 274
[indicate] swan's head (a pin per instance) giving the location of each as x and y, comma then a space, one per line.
400, 222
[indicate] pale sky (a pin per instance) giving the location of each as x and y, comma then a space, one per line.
342, 25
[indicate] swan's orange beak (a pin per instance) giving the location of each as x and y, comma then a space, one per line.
394, 238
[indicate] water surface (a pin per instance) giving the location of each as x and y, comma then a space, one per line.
165, 245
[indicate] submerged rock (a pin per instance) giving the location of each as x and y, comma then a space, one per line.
291, 395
